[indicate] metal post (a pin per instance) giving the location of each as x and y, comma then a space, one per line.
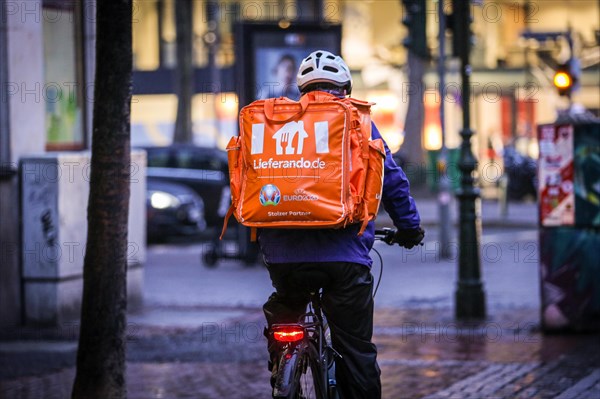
212, 41
570, 62
184, 73
444, 184
469, 296
5, 165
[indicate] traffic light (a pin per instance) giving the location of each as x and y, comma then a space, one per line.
562, 81
565, 78
459, 23
415, 21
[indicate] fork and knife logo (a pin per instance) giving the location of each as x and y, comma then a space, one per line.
284, 138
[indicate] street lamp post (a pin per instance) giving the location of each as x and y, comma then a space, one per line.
469, 295
444, 184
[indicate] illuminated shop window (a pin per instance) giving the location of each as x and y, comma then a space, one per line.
154, 34
145, 26
155, 29
62, 90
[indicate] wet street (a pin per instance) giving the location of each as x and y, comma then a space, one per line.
199, 334
422, 354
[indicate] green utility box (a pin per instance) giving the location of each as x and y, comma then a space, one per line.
435, 171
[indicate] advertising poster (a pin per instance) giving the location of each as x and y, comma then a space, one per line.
272, 55
556, 172
276, 70
277, 58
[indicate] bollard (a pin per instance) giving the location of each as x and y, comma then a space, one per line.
503, 196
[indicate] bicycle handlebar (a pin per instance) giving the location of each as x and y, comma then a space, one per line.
387, 235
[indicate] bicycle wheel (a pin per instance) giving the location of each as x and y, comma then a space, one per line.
306, 381
300, 375
285, 385
330, 355
331, 382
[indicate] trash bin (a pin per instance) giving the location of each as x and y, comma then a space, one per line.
569, 206
433, 174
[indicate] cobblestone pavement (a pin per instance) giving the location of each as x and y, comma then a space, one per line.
423, 353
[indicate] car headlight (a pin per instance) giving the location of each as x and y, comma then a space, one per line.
162, 200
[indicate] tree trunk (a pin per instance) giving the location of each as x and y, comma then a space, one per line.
184, 72
101, 353
411, 151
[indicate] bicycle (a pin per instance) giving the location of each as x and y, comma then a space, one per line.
306, 358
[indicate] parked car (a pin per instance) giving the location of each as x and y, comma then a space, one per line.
172, 210
204, 170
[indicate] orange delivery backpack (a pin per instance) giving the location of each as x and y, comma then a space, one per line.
305, 164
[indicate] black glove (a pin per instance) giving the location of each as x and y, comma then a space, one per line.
408, 238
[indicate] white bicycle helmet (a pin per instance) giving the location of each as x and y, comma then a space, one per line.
322, 66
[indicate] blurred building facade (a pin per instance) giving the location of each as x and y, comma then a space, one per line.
46, 98
47, 64
512, 78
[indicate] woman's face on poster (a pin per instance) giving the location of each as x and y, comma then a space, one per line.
285, 71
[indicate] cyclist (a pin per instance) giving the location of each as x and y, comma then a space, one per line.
337, 260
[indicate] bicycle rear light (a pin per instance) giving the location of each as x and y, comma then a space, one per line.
288, 333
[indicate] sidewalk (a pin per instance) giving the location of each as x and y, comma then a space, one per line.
423, 354
504, 357
518, 214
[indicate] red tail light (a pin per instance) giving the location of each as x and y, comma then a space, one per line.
291, 333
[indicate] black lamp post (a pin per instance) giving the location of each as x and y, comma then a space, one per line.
469, 295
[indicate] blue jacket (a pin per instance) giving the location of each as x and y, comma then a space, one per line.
343, 245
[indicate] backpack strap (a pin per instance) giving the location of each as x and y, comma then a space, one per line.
226, 220
365, 221
269, 108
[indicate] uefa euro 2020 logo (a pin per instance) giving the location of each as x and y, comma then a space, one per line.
269, 195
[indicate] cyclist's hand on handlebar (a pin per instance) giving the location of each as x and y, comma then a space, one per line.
408, 238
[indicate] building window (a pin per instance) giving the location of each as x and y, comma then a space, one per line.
146, 49
63, 91
155, 29
154, 35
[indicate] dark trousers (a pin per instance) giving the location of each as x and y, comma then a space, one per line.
348, 305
